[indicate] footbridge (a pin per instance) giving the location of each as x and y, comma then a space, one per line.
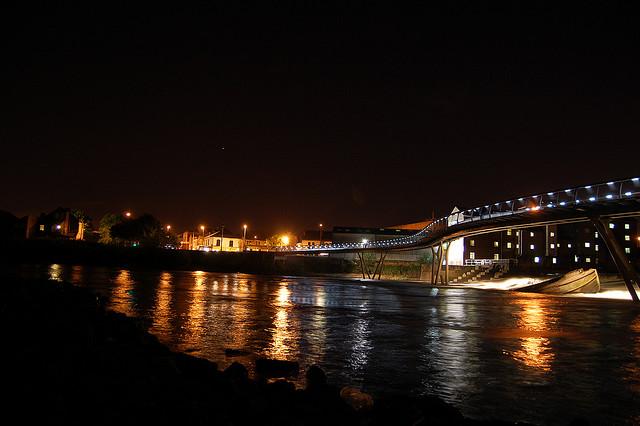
597, 203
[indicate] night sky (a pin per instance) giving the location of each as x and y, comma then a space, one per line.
285, 118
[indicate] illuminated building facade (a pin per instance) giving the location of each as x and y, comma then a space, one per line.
561, 247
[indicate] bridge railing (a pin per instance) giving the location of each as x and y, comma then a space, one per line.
488, 262
567, 198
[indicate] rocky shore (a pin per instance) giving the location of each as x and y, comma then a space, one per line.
68, 360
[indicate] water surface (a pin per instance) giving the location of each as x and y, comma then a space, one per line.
506, 355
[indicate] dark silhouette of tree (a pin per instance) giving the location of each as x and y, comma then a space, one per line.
144, 230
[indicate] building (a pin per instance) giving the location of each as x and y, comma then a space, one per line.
59, 224
315, 238
560, 247
256, 244
212, 241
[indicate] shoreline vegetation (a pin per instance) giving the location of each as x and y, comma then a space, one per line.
71, 361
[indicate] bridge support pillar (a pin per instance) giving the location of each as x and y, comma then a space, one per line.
377, 270
625, 268
437, 257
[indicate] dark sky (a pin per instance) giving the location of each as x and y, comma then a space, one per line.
285, 118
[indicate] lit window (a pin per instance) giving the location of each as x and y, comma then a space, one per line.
496, 244
612, 225
558, 245
569, 245
472, 255
496, 256
552, 245
517, 246
531, 234
595, 235
552, 234
508, 231
597, 248
532, 246
575, 259
627, 238
517, 233
626, 226
42, 227
588, 260
230, 243
587, 245
472, 243
554, 260
218, 242
627, 250
536, 259
508, 245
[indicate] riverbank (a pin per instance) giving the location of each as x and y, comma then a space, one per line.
69, 360
94, 254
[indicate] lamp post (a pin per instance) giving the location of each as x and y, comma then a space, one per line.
202, 229
244, 237
320, 234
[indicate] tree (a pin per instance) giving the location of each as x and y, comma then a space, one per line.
84, 223
108, 221
145, 230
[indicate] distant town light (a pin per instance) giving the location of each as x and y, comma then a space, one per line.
365, 241
635, 179
628, 194
285, 240
588, 187
127, 214
562, 203
58, 226
609, 196
168, 227
592, 198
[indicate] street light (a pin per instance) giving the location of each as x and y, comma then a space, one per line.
127, 214
244, 237
168, 227
285, 240
320, 234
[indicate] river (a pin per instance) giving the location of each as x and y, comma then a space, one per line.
493, 354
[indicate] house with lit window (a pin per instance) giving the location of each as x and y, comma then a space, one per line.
211, 241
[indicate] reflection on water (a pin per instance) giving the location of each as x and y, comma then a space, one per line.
55, 271
508, 355
283, 332
123, 293
533, 320
196, 309
161, 313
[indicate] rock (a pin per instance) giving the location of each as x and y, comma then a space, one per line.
236, 372
316, 379
357, 399
235, 352
276, 368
